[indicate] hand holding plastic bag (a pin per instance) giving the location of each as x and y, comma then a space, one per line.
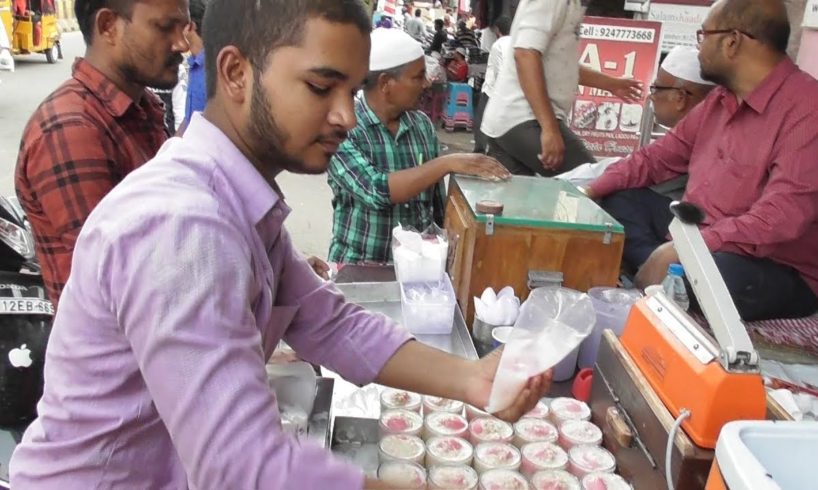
552, 323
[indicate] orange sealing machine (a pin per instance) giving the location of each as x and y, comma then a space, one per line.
700, 382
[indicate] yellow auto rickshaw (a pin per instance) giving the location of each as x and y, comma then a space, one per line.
32, 27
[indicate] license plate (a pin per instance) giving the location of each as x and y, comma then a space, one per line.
26, 306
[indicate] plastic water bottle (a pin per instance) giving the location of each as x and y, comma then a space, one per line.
674, 286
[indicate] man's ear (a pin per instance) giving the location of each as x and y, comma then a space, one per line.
106, 25
234, 73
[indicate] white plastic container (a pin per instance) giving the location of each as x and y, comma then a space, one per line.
475, 413
565, 369
408, 476
392, 399
768, 455
428, 308
424, 261
564, 409
453, 478
554, 480
488, 429
441, 424
612, 306
584, 460
528, 430
448, 451
541, 456
432, 404
503, 480
540, 411
578, 433
495, 456
605, 481
400, 422
401, 447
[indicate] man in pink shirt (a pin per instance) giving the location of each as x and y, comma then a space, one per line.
184, 280
751, 150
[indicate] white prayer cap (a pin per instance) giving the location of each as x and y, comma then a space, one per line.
392, 48
683, 62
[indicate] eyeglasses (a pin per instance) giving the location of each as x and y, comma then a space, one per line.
657, 88
702, 33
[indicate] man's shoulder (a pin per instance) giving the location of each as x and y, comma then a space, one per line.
71, 102
421, 120
177, 184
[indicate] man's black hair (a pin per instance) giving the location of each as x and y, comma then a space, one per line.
197, 13
765, 20
503, 24
258, 27
439, 24
418, 13
86, 13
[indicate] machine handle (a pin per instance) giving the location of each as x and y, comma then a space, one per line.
622, 432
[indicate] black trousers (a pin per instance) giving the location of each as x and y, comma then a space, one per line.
761, 288
480, 139
519, 148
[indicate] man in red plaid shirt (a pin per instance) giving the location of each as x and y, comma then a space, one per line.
100, 124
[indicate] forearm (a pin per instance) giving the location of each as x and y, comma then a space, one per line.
422, 369
532, 81
405, 185
595, 79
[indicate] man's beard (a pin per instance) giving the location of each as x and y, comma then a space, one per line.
132, 74
713, 76
267, 139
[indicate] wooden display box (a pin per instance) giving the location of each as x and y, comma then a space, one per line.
618, 383
547, 224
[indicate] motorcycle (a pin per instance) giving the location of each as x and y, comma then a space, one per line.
26, 315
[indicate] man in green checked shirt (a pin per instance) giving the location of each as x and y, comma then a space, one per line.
389, 171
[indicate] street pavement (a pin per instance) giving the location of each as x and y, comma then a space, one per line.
310, 223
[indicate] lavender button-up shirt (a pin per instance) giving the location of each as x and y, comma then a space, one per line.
183, 282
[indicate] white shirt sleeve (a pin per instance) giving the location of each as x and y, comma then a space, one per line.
494, 64
179, 96
534, 23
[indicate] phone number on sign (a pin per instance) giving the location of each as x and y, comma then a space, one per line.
613, 33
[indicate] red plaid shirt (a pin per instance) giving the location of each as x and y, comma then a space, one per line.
753, 168
80, 142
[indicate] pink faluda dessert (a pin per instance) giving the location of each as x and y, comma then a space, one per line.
578, 433
399, 399
554, 480
445, 424
457, 477
529, 430
540, 411
432, 404
583, 460
564, 409
402, 447
503, 480
489, 429
496, 456
605, 481
539, 456
448, 451
400, 422
402, 475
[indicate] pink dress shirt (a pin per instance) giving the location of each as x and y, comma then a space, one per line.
183, 282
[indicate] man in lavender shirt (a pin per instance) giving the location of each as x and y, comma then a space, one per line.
184, 280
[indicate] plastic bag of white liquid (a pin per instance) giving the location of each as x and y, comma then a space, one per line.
551, 324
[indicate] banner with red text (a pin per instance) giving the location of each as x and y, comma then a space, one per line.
621, 48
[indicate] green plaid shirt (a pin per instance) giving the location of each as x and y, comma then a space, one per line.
364, 215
